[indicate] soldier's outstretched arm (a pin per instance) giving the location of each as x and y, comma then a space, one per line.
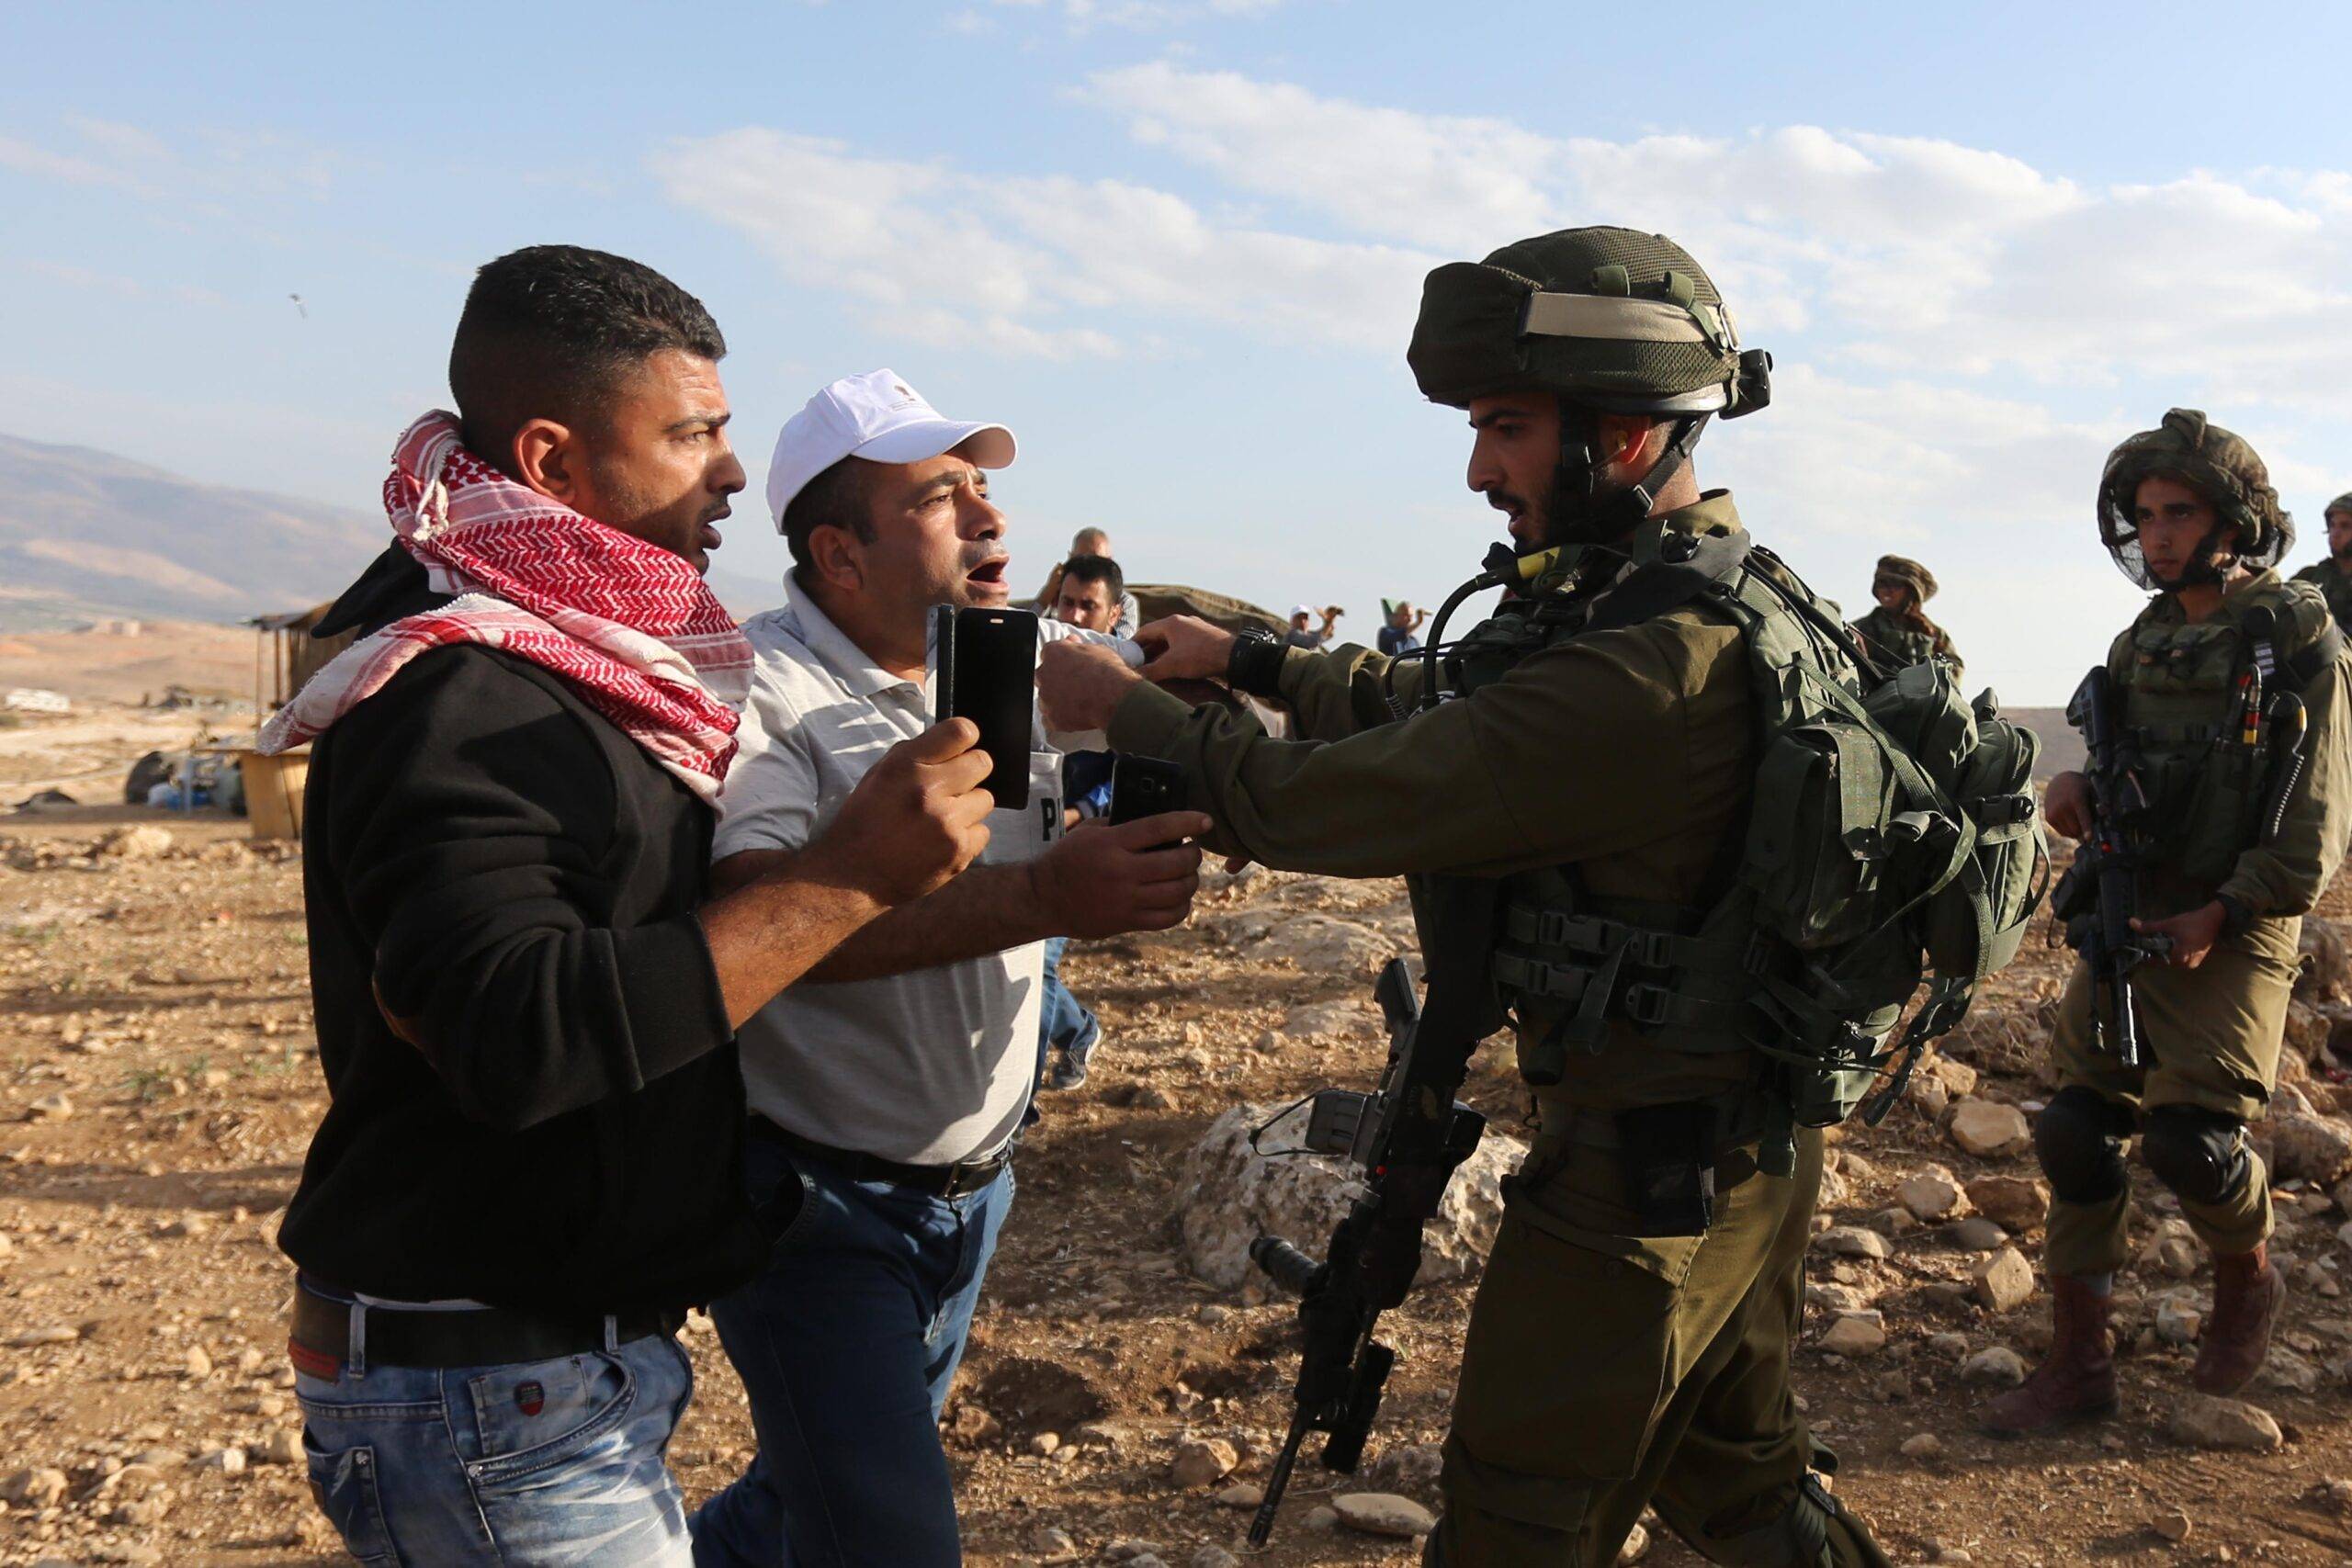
1579, 751
2287, 875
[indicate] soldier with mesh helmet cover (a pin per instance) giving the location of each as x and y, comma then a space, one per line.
1897, 630
2230, 688
1574, 795
2333, 576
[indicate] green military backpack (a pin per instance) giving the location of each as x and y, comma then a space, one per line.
1893, 843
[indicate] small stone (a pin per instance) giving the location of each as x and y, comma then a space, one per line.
1977, 1233
283, 1446
2207, 1421
2003, 1281
36, 1488
1950, 1345
1151, 1097
2338, 1495
1997, 1364
198, 1363
53, 1334
1242, 1495
2173, 1524
1637, 1545
228, 1461
2016, 1202
1200, 1461
1922, 1445
1211, 1313
50, 1108
1988, 1130
1053, 1544
1931, 1195
1045, 1443
1384, 1513
1128, 1551
1855, 1334
1891, 1223
1322, 1516
1213, 1557
188, 1225
2179, 1323
1851, 1241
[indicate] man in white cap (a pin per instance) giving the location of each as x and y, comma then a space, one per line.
1299, 637
885, 1099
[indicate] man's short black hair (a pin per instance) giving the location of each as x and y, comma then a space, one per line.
1096, 569
836, 498
550, 331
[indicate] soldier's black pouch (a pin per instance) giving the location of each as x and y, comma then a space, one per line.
1667, 1155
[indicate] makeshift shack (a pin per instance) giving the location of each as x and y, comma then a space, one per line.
285, 655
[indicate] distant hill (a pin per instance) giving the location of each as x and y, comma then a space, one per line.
87, 535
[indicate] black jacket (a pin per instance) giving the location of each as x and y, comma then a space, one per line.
533, 1093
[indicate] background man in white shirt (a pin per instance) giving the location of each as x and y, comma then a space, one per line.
886, 1098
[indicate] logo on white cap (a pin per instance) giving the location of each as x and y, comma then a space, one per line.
879, 417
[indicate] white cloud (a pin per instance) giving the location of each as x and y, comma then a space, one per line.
1036, 264
1082, 16
207, 167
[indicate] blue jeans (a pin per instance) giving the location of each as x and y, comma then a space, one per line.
846, 1344
537, 1464
1063, 1021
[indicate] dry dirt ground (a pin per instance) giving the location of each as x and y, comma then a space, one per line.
158, 1084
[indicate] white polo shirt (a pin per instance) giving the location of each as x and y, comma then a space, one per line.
926, 1067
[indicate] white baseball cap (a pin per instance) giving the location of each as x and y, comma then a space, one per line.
876, 416
1298, 610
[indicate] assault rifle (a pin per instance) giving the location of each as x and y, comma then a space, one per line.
2096, 895
1407, 1137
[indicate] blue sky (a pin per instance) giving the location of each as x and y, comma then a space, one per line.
1176, 244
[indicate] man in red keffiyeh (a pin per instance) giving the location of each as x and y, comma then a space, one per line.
531, 1161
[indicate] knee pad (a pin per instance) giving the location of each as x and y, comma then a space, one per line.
2199, 1153
2079, 1137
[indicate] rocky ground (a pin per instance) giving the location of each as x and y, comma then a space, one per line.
1125, 1393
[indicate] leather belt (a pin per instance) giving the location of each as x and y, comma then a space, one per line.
321, 1342
960, 1179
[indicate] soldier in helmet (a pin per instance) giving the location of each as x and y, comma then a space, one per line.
1564, 821
2247, 820
1897, 631
2333, 577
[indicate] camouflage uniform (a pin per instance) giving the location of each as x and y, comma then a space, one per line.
2335, 585
1611, 1364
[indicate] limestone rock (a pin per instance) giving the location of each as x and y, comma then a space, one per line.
1228, 1196
2317, 1149
144, 841
2179, 1322
1213, 1557
1988, 1130
1932, 1194
1977, 1233
1201, 1461
1053, 1544
1851, 1241
228, 1461
2003, 1281
1637, 1545
2326, 962
1922, 1445
2017, 1203
1998, 1365
2173, 1524
1323, 1020
1241, 1495
1410, 1469
1384, 1513
1324, 945
50, 1108
282, 1447
2207, 1421
37, 1488
1855, 1334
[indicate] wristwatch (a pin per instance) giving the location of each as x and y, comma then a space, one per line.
1255, 665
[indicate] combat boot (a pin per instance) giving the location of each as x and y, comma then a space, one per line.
2076, 1380
2247, 1296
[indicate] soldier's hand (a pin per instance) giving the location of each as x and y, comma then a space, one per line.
1184, 648
2066, 806
1101, 880
2193, 935
915, 820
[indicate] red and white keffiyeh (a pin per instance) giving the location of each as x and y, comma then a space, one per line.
631, 626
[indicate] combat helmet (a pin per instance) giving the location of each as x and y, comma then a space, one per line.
1611, 321
1908, 573
2341, 504
2221, 466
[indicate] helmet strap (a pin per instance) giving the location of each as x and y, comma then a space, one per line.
1577, 512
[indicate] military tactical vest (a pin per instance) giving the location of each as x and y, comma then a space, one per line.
2194, 721
1892, 832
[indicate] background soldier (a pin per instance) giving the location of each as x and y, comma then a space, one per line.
2226, 872
1898, 630
1611, 1361
2333, 577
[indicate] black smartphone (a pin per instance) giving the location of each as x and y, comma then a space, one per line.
1144, 786
988, 673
